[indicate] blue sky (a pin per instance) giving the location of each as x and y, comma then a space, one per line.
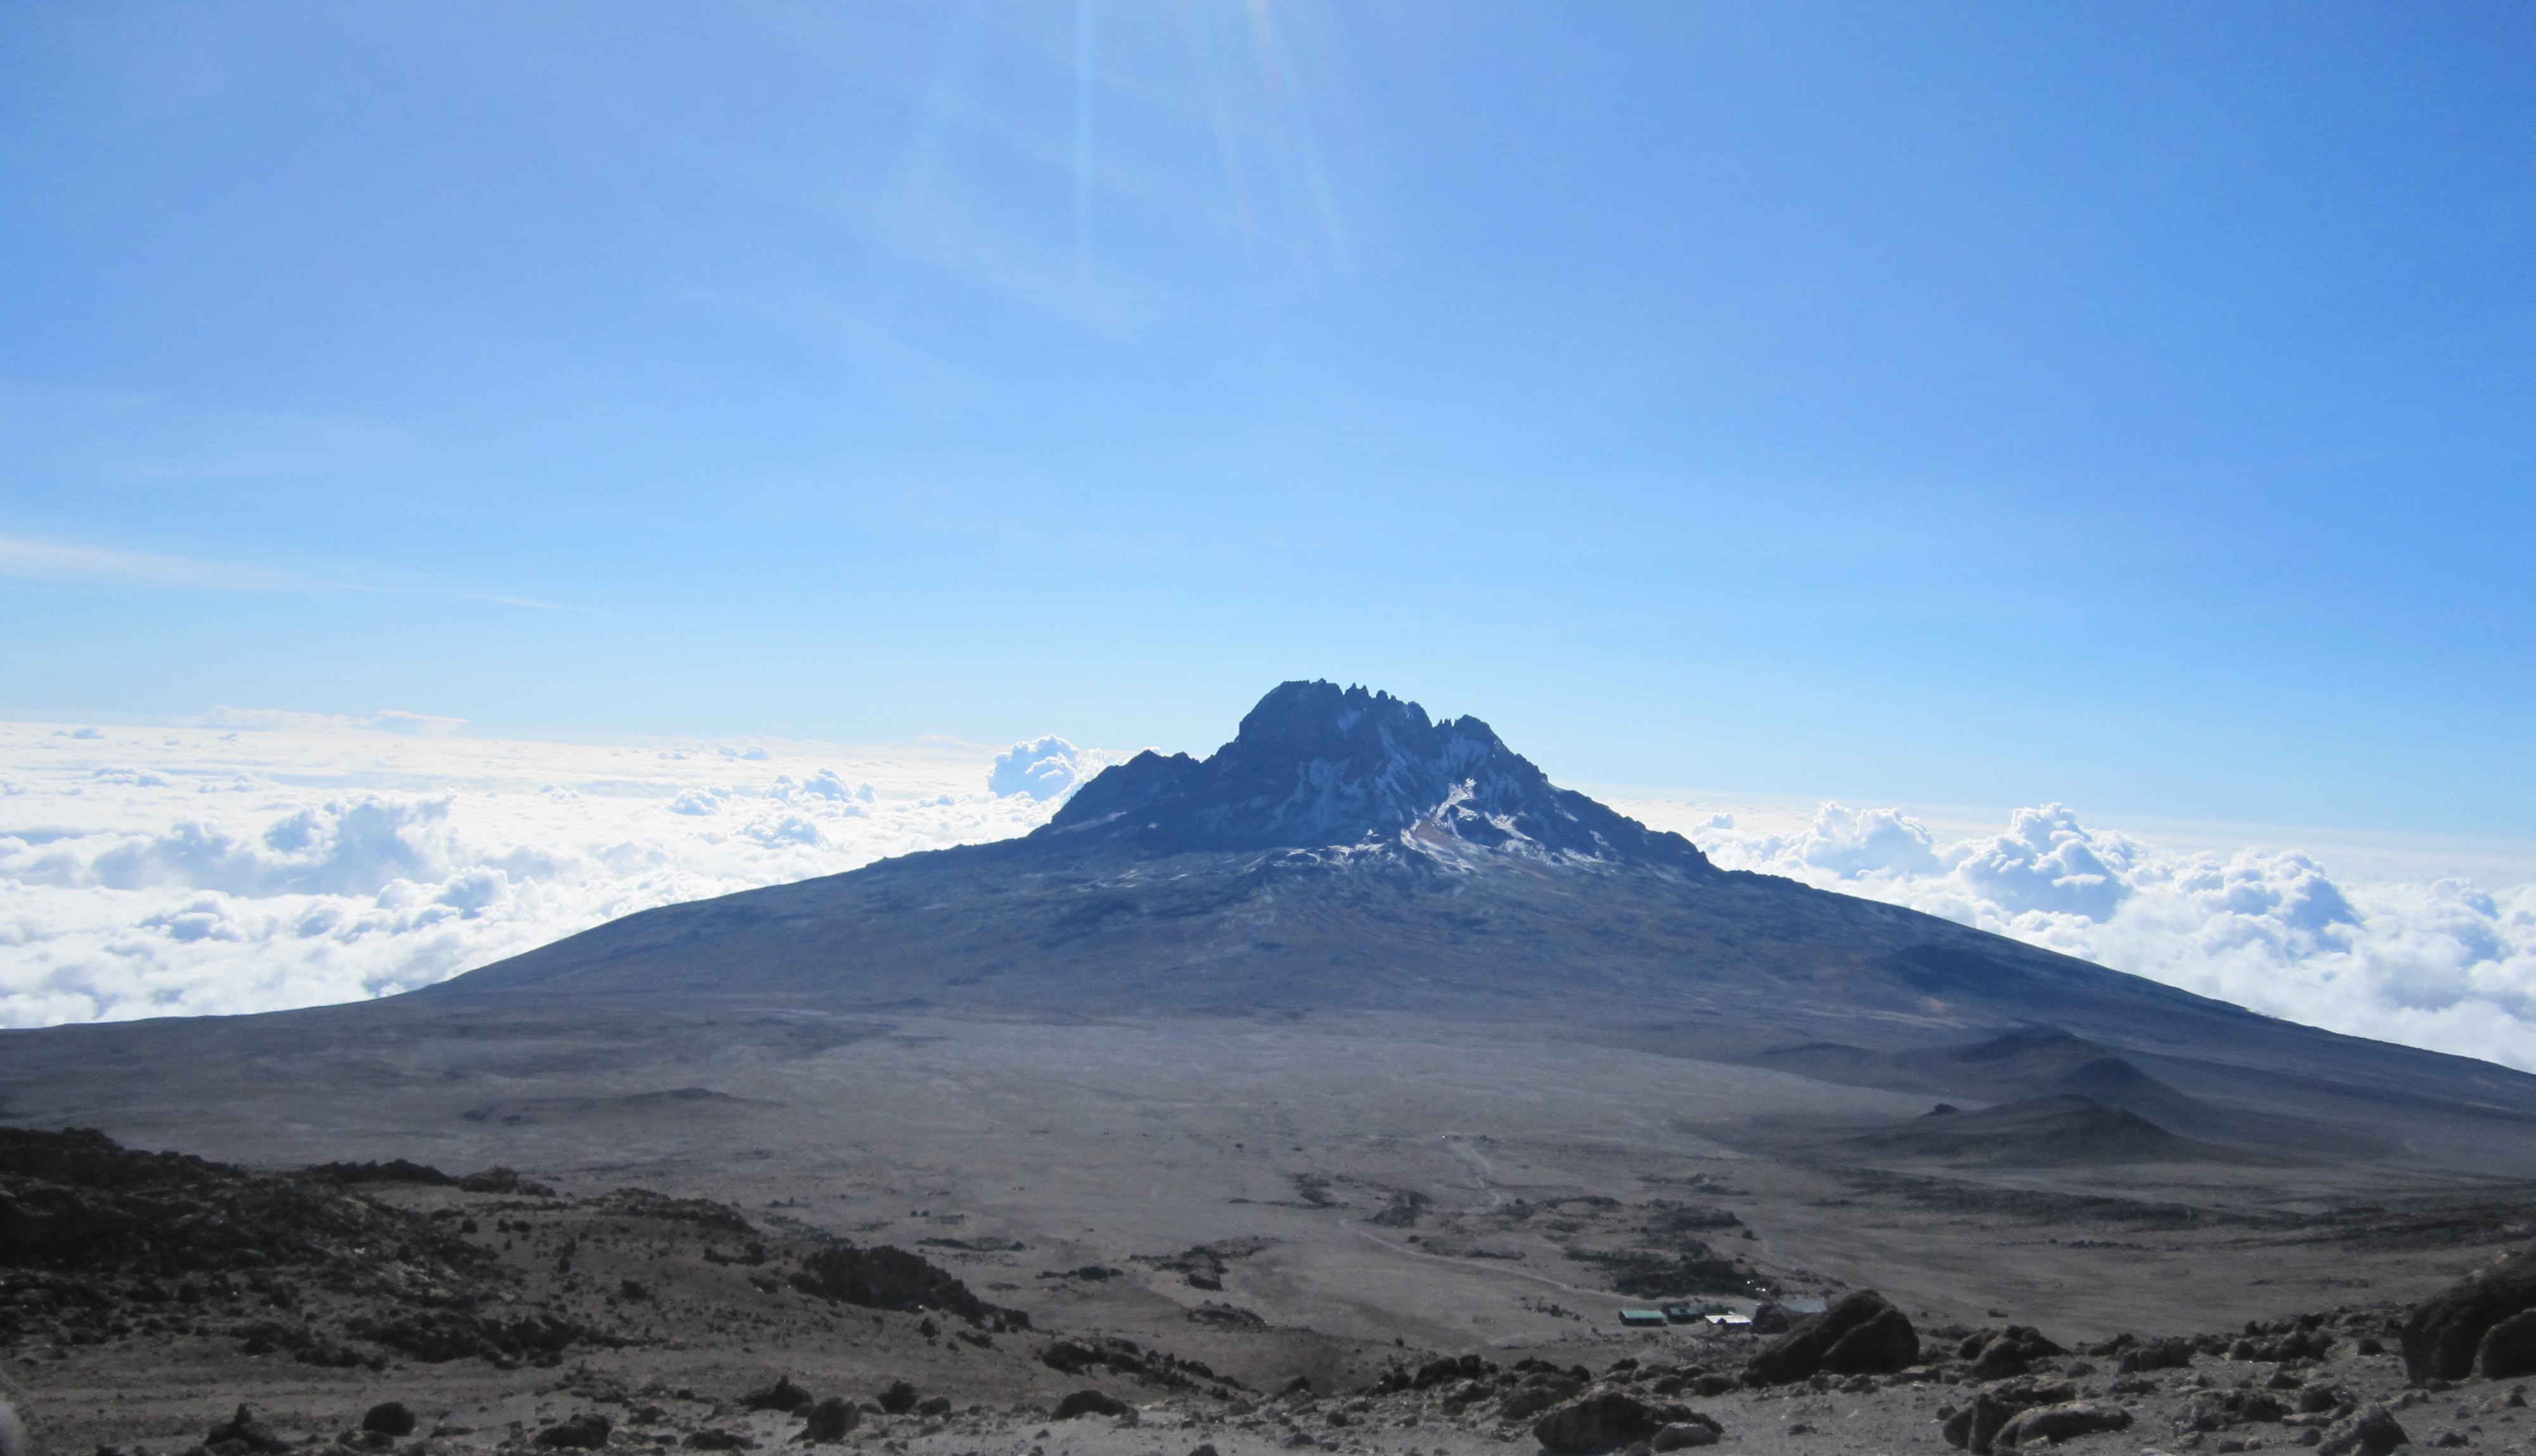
2128, 405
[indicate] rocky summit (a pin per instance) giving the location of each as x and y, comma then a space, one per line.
1317, 767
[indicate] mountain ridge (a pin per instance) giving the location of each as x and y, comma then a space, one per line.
1314, 766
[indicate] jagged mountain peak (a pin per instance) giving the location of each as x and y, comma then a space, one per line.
1318, 766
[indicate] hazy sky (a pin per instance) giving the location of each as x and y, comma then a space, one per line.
2127, 405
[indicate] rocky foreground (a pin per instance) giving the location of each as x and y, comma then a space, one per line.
155, 1304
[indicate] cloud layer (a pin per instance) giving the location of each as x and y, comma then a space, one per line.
2438, 963
263, 860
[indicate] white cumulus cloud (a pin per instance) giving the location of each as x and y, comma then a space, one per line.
2434, 962
1048, 768
258, 860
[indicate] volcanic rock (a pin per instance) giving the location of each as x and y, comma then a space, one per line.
1599, 1423
2445, 1333
1089, 1403
1694, 1430
2508, 1348
388, 1418
2010, 1352
585, 1431
2371, 1431
248, 1433
2060, 1423
1862, 1334
830, 1419
889, 1277
782, 1396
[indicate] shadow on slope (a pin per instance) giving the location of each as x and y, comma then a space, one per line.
2067, 1131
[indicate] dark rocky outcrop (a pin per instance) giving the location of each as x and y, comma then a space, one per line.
782, 1396
830, 1419
898, 1399
1694, 1430
2371, 1432
1606, 1421
1861, 1334
2009, 1353
2060, 1423
388, 1418
585, 1431
1975, 1427
2508, 1349
1089, 1403
2444, 1335
890, 1278
2218, 1410
245, 1434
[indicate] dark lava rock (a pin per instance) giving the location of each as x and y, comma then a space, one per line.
1772, 1318
248, 1433
899, 1399
830, 1419
1599, 1423
76, 1200
715, 1438
2369, 1432
888, 1278
1089, 1403
388, 1418
1862, 1334
2217, 1410
1227, 1316
1693, 1430
1976, 1426
394, 1170
499, 1180
2047, 1423
437, 1335
1069, 1356
2445, 1331
1539, 1391
585, 1431
2157, 1354
1434, 1372
782, 1396
2508, 1349
2011, 1353
933, 1406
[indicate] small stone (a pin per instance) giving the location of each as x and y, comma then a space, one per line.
388, 1418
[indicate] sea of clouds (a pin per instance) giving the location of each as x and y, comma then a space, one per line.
2430, 962
256, 860
264, 860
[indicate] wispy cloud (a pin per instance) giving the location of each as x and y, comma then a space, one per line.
54, 561
24, 559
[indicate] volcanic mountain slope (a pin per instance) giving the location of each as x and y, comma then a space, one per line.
1347, 854
1347, 861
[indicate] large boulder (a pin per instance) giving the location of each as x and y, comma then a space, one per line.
2048, 1424
830, 1419
2447, 1330
2508, 1349
1976, 1428
2369, 1433
248, 1433
2010, 1353
1863, 1334
1089, 1403
1693, 1430
1597, 1423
